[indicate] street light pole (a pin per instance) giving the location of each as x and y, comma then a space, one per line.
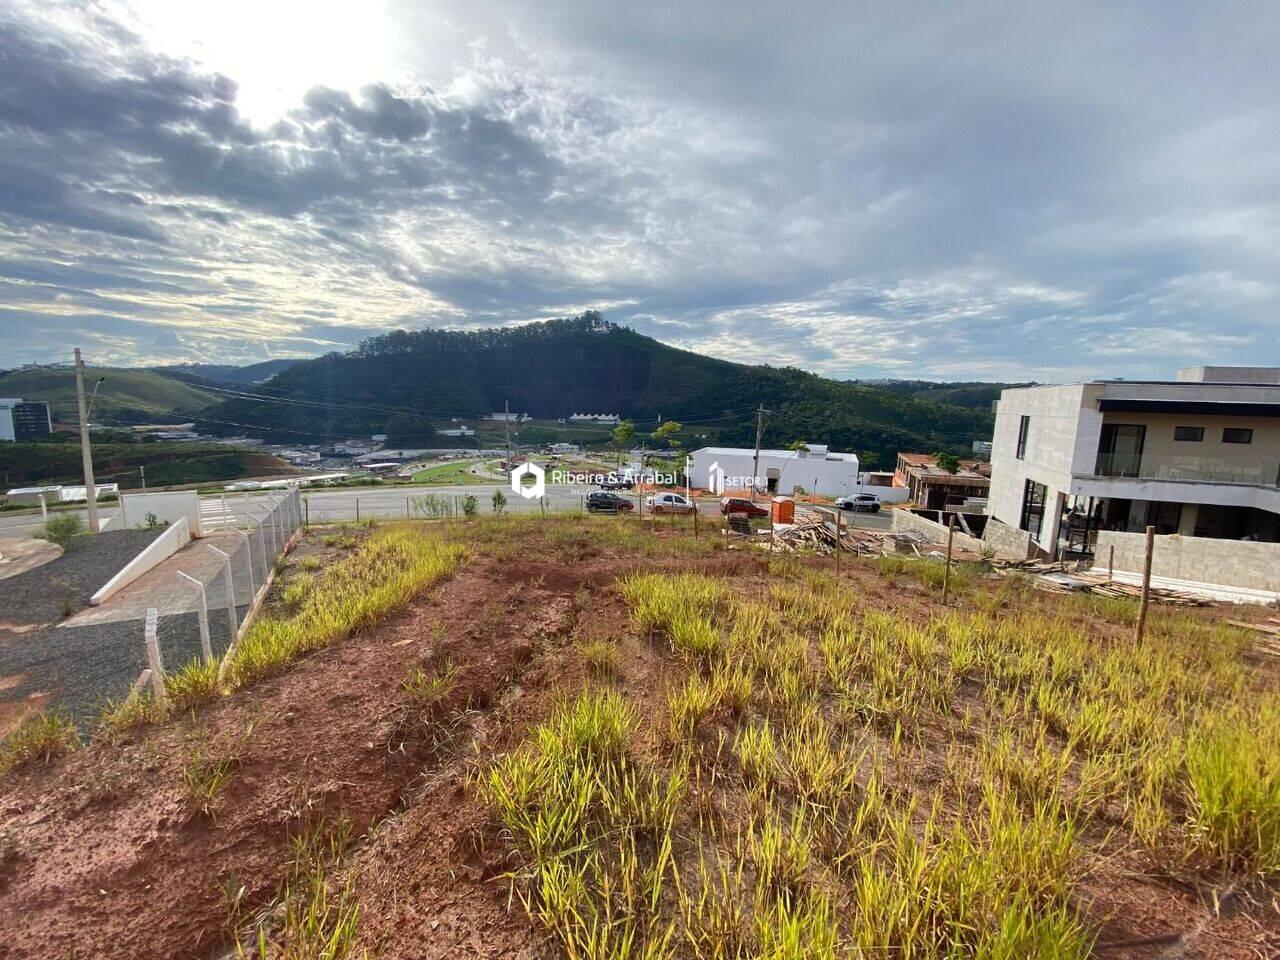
755, 464
86, 454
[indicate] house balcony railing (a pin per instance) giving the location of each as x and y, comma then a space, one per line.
1188, 469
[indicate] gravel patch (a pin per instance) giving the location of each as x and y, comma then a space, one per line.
80, 668
63, 586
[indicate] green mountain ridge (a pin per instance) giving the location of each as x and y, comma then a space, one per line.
405, 384
125, 395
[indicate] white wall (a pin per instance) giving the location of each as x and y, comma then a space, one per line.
161, 548
1064, 431
833, 477
167, 507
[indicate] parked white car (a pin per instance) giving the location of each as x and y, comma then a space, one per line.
668, 503
861, 503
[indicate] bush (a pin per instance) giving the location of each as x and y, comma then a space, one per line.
62, 530
499, 501
470, 505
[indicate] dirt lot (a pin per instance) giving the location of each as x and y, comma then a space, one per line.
103, 855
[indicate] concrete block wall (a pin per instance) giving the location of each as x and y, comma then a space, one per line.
1008, 542
1232, 563
905, 520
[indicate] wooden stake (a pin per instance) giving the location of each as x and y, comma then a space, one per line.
946, 572
839, 549
1111, 563
1141, 625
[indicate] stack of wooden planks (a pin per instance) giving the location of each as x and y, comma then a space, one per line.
817, 534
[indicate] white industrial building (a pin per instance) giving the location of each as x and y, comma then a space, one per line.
814, 468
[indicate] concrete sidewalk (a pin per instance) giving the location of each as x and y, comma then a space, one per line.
20, 555
162, 588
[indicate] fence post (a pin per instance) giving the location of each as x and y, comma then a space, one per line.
202, 615
357, 509
306, 512
248, 556
839, 538
406, 507
262, 550
224, 511
151, 638
1111, 563
231, 592
264, 525
946, 573
1141, 625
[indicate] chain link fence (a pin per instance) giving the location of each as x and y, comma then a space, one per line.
208, 604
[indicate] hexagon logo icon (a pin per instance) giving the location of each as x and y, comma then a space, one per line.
539, 480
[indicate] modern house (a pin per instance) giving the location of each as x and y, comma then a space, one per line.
1079, 466
933, 488
24, 419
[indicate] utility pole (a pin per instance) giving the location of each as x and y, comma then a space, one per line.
86, 455
506, 422
755, 464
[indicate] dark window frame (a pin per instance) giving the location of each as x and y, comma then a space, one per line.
1024, 429
1034, 496
1197, 438
1109, 462
1245, 432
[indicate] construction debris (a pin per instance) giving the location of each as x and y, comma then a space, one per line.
814, 533
1056, 577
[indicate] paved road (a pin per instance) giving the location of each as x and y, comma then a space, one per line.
343, 503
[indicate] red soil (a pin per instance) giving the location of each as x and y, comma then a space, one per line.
101, 856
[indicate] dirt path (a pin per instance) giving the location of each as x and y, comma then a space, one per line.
100, 855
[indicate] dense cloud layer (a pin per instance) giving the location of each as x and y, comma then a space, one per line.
909, 192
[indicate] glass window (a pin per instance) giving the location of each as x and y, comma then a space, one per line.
1024, 426
1120, 449
1033, 495
1190, 434
1237, 435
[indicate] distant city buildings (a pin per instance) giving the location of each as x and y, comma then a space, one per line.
24, 419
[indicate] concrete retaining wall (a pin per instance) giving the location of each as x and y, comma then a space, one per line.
904, 520
161, 548
1232, 563
167, 507
1008, 542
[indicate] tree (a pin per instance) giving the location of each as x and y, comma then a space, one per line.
623, 434
947, 461
666, 433
797, 445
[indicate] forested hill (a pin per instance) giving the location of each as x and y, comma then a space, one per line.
400, 382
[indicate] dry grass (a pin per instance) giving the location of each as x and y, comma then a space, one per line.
836, 780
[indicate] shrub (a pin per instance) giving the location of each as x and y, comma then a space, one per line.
499, 500
43, 737
470, 505
62, 530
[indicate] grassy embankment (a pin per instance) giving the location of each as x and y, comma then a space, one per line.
830, 776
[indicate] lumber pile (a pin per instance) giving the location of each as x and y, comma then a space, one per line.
816, 534
1055, 577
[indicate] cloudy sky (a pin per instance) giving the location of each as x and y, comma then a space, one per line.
965, 191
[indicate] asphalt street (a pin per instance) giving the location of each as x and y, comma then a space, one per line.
331, 505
